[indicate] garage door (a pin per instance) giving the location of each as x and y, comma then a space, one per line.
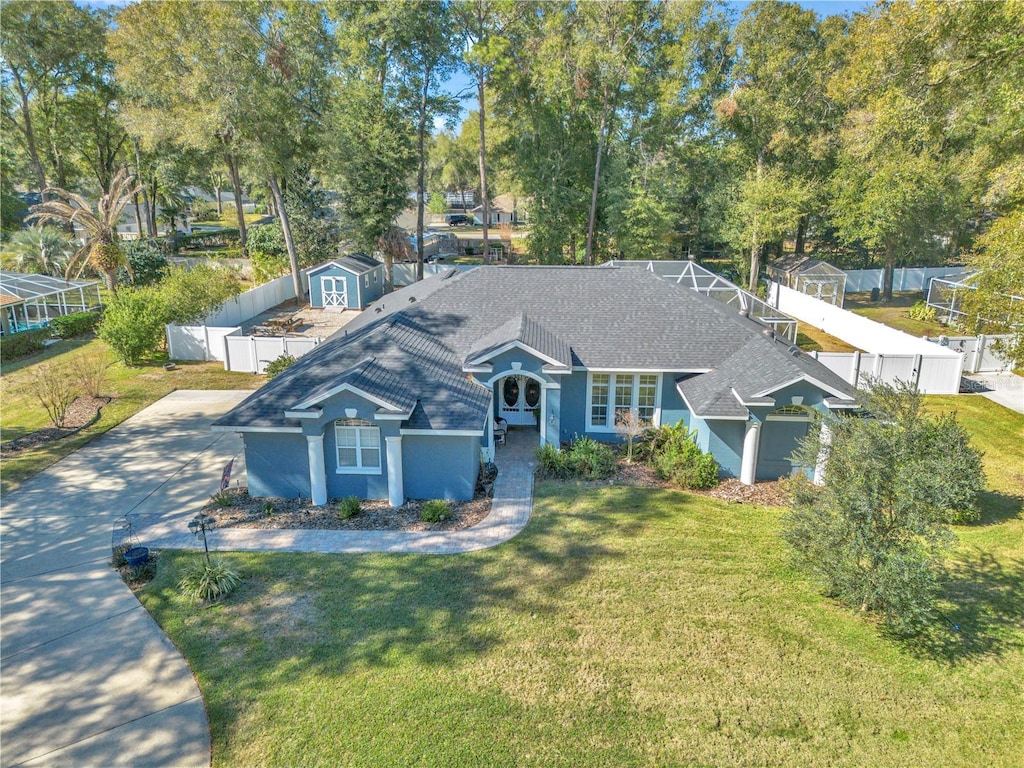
780, 436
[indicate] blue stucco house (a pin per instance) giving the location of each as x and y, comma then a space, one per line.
351, 282
402, 402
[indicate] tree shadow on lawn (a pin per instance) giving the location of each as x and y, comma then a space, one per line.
378, 610
998, 507
983, 613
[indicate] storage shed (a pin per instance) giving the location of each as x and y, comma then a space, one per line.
351, 282
810, 276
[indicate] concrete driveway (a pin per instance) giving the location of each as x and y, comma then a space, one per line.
87, 677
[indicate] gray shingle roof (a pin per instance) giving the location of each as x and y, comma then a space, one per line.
521, 330
356, 263
600, 318
761, 366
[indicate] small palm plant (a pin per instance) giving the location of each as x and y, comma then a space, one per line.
39, 250
101, 250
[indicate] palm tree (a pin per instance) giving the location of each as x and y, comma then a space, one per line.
101, 250
39, 250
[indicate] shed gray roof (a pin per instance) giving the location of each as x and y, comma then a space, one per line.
599, 318
356, 263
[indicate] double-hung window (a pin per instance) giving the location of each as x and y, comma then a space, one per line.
612, 395
358, 448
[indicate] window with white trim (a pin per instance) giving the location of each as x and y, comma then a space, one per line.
358, 447
609, 395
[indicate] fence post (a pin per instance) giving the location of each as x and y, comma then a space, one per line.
879, 362
976, 356
855, 378
918, 361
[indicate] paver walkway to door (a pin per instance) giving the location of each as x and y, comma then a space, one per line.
87, 677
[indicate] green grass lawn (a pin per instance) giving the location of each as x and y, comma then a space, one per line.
622, 627
810, 339
132, 389
894, 313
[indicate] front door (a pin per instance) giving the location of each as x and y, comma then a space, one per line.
519, 398
334, 291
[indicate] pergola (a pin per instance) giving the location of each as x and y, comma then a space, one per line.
29, 301
697, 278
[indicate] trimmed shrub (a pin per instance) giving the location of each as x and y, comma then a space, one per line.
23, 344
75, 324
348, 507
921, 311
674, 455
133, 324
585, 459
435, 511
279, 365
208, 581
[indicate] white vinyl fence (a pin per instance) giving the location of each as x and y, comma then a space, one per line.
252, 353
247, 305
978, 352
891, 354
197, 342
930, 374
903, 278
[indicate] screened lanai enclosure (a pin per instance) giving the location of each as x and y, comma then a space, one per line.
946, 293
814, 278
697, 278
31, 301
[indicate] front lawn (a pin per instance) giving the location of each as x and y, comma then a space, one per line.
623, 626
132, 389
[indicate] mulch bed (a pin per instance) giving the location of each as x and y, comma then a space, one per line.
769, 494
84, 412
374, 514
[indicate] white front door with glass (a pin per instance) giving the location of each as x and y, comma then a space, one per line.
519, 397
334, 291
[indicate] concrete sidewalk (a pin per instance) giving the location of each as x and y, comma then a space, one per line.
1004, 388
88, 678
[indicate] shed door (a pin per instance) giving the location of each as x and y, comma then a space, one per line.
334, 292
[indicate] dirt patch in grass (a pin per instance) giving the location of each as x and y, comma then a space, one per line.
84, 412
374, 514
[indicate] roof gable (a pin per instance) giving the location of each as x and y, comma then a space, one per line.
524, 333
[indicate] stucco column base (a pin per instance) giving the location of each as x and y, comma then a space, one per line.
396, 486
317, 473
751, 440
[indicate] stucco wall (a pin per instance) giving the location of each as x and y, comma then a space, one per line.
276, 464
440, 466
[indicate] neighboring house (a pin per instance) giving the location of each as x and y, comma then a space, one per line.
504, 209
351, 282
401, 403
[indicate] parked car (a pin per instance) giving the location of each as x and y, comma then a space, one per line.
458, 219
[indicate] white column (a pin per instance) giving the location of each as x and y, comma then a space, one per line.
317, 475
750, 445
824, 440
396, 487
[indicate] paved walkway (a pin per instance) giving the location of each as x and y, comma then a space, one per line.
87, 678
510, 511
1004, 388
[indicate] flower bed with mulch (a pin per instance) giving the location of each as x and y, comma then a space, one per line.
83, 412
374, 514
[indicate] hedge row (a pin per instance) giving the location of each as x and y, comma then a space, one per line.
76, 324
21, 344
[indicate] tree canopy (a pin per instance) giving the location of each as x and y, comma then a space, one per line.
635, 129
